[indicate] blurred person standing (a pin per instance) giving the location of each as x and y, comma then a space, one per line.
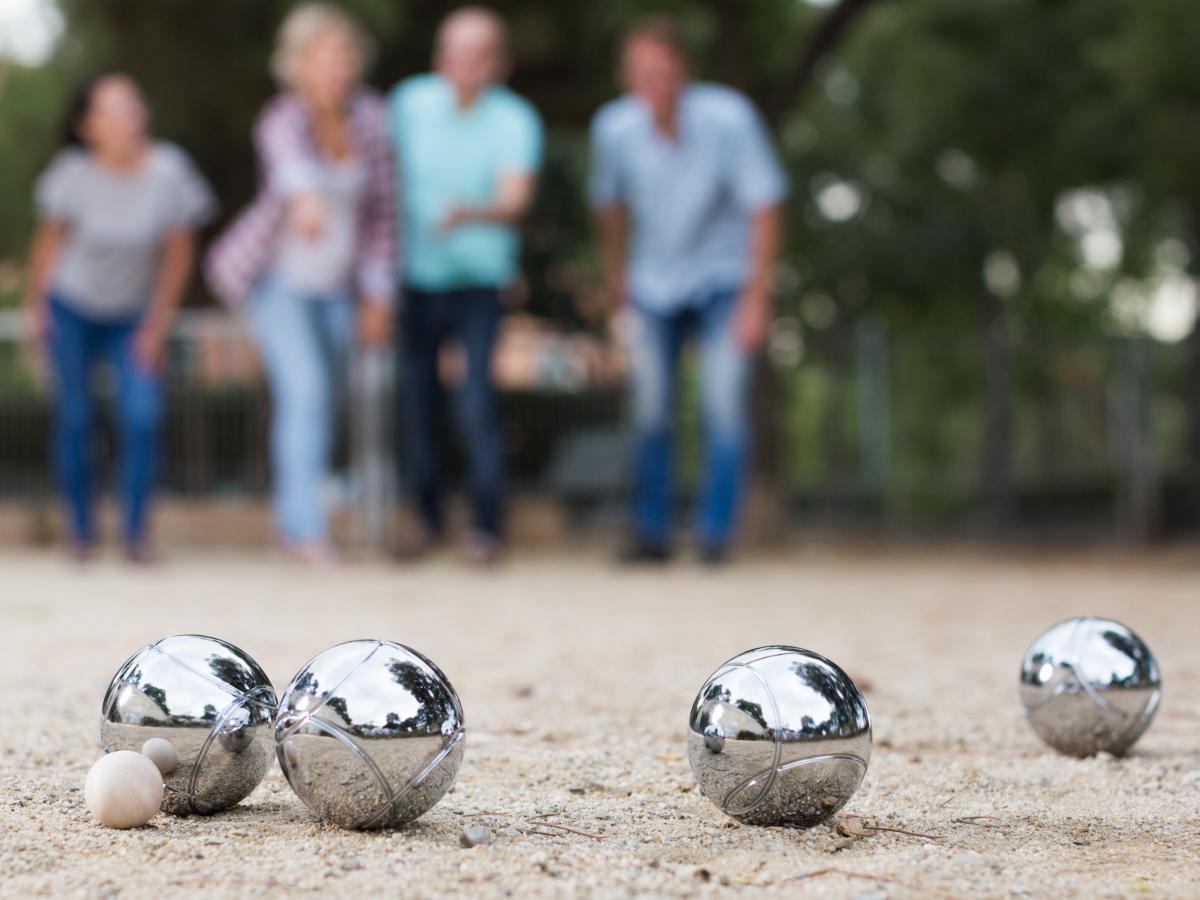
312, 260
111, 258
688, 195
468, 150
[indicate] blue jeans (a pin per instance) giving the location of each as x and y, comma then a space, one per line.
305, 343
429, 319
725, 370
77, 343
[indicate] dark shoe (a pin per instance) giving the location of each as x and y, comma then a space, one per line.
311, 554
641, 552
714, 555
482, 549
416, 542
83, 552
140, 554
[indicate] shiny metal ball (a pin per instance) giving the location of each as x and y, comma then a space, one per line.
1089, 684
370, 734
211, 701
779, 736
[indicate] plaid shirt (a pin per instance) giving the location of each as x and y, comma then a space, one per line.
289, 164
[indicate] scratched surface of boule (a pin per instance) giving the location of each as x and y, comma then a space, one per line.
370, 734
1089, 685
779, 735
211, 702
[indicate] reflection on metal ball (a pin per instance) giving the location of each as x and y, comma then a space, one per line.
370, 734
211, 701
779, 736
237, 734
1089, 684
714, 738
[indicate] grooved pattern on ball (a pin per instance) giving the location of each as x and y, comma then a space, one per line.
1088, 685
372, 744
211, 702
779, 735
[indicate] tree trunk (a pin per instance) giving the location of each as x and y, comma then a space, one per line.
826, 37
1192, 384
768, 393
731, 42
996, 475
836, 451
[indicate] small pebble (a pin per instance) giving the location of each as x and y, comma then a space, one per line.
123, 789
161, 752
475, 835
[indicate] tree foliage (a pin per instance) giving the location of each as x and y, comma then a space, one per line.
943, 156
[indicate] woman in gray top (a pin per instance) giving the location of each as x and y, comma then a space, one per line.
111, 258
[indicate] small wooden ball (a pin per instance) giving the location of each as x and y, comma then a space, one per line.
123, 789
161, 752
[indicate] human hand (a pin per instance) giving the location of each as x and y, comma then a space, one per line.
374, 323
149, 342
306, 215
616, 288
458, 215
751, 319
35, 325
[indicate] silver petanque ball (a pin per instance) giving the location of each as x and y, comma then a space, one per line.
211, 701
779, 736
1089, 684
370, 734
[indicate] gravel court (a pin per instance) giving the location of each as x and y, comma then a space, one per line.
576, 681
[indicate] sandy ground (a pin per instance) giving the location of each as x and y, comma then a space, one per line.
576, 681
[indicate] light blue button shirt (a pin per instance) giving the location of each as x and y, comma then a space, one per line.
690, 199
447, 157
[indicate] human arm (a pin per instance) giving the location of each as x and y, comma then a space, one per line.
519, 149
514, 196
760, 187
754, 306
55, 198
43, 252
178, 260
379, 249
290, 167
192, 206
612, 226
606, 196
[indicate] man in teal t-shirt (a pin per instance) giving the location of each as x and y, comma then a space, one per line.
467, 150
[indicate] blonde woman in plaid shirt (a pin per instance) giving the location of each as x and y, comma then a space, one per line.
312, 260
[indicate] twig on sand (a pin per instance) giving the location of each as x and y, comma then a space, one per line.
979, 820
542, 833
563, 829
856, 826
916, 834
540, 822
866, 876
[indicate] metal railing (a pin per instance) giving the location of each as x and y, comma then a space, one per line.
865, 425
215, 433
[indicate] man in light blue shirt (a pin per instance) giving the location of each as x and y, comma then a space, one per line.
468, 150
688, 194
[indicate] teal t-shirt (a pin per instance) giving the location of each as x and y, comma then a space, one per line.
450, 157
